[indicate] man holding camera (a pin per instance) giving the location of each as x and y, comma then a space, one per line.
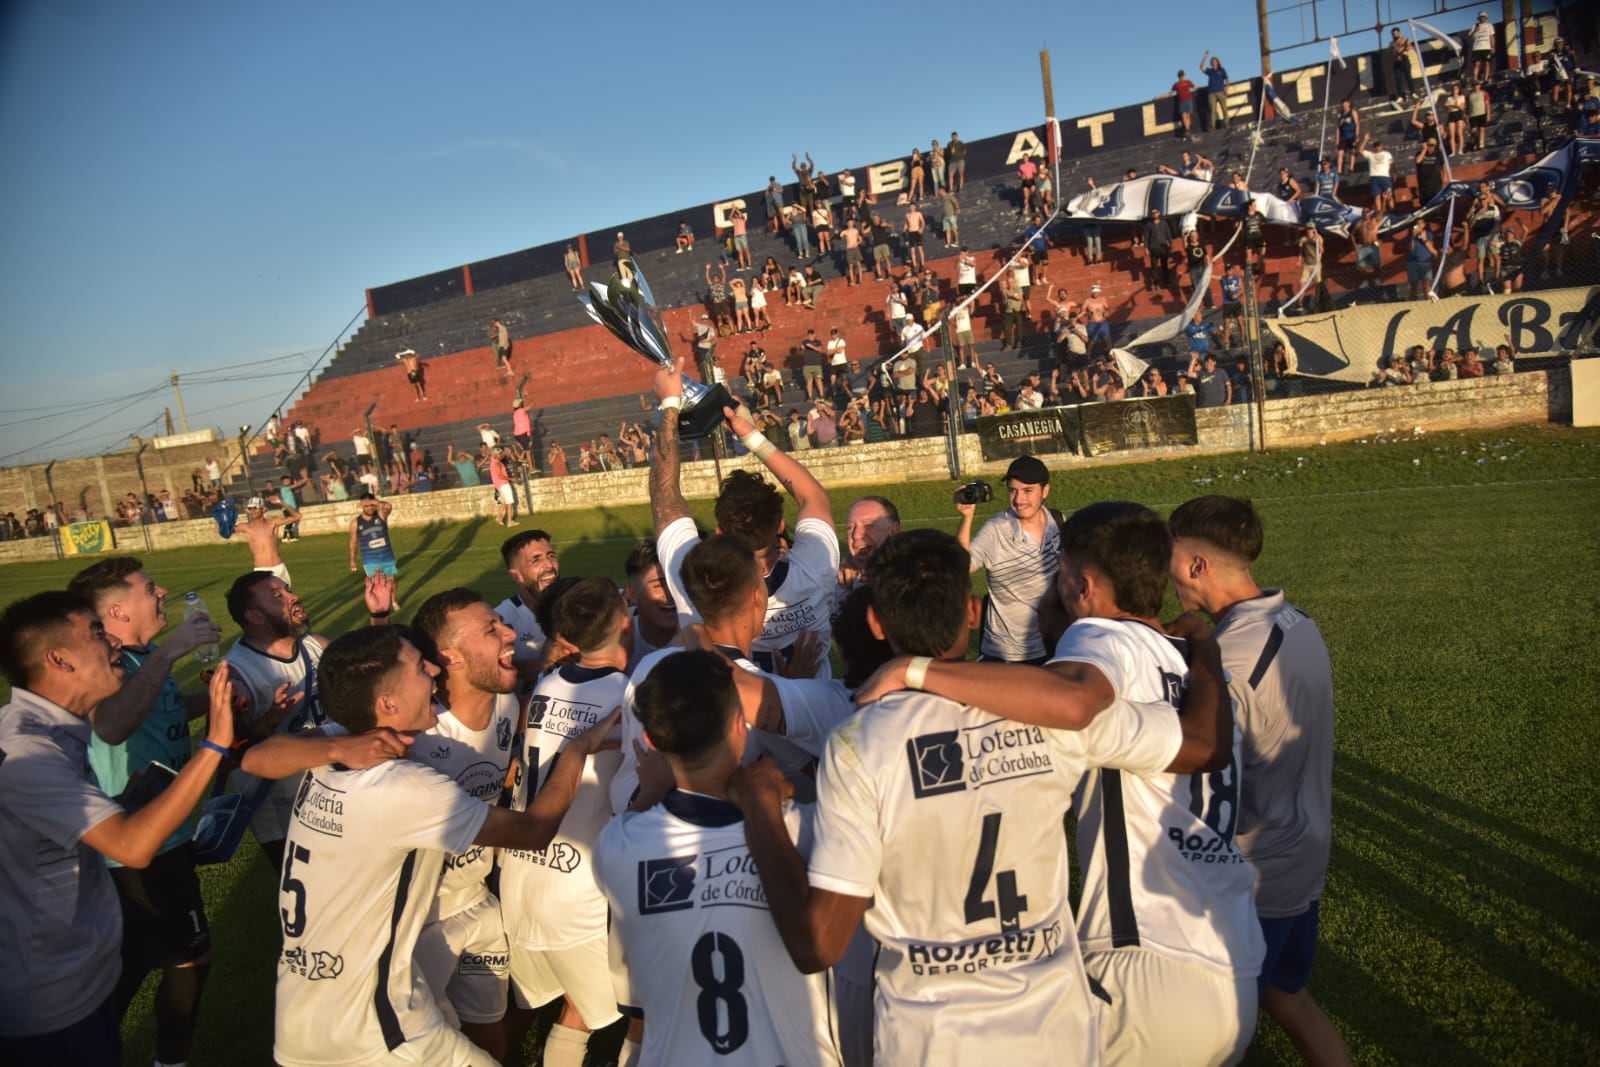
1021, 549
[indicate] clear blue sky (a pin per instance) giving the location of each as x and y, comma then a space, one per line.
188, 186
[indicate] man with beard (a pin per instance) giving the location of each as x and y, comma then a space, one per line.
530, 559
655, 614
870, 522
462, 949
362, 865
163, 914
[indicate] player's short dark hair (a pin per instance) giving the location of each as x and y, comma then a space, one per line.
242, 593
98, 581
883, 502
749, 508
517, 542
431, 624
1128, 545
861, 651
586, 614
544, 606
27, 628
642, 556
685, 702
1228, 522
921, 581
717, 572
352, 672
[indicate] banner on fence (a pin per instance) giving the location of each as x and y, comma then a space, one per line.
87, 538
1349, 345
1089, 429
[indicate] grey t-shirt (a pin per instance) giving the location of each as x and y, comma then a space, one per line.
1021, 570
1282, 681
60, 921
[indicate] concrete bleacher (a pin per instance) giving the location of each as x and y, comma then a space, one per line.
583, 382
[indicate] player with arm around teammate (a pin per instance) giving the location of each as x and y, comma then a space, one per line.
362, 864
945, 818
1282, 682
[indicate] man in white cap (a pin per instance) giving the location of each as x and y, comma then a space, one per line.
261, 533
1481, 40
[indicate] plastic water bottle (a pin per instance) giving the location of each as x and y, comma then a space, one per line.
191, 605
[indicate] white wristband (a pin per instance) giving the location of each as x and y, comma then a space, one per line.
758, 445
670, 403
917, 671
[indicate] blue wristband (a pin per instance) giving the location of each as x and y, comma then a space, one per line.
218, 749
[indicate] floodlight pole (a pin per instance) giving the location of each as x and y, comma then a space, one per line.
1266, 43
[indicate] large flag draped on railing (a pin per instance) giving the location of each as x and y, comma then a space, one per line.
1132, 201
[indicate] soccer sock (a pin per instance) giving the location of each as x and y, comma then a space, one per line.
629, 1057
177, 1004
565, 1046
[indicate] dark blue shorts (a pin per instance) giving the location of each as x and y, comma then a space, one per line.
1291, 946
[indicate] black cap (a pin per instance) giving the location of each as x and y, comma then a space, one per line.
368, 495
1028, 471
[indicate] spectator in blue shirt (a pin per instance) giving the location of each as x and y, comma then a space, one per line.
1327, 180
1199, 332
1216, 91
1419, 264
1232, 304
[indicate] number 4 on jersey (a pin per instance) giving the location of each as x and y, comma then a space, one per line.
1011, 904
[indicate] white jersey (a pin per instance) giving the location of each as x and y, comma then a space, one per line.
476, 760
978, 961
549, 899
530, 635
1159, 867
261, 675
811, 709
361, 868
800, 588
707, 968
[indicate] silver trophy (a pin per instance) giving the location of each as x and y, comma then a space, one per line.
624, 306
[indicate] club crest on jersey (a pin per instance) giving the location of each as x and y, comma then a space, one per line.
502, 734
666, 884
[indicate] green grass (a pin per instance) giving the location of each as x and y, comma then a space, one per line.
1453, 576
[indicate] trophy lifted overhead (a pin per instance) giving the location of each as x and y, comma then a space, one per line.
624, 306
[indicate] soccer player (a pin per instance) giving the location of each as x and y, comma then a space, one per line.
555, 914
946, 819
723, 584
163, 914
362, 865
530, 559
462, 949
369, 536
800, 581
1020, 548
705, 963
60, 923
655, 615
1282, 684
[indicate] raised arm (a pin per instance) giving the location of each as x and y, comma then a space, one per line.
808, 493
286, 755
119, 715
666, 497
133, 840
354, 564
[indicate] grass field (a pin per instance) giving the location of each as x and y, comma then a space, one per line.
1454, 578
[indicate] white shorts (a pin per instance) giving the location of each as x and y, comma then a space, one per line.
466, 962
443, 1047
505, 494
582, 972
279, 570
1171, 1013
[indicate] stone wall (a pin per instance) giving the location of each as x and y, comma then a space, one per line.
1520, 399
98, 482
